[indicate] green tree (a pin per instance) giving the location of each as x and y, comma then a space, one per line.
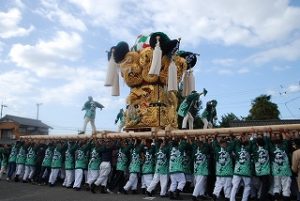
225, 119
263, 109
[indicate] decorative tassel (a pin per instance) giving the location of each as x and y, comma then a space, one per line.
115, 90
110, 70
185, 90
156, 59
191, 82
172, 77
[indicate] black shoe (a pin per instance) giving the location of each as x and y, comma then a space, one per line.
177, 195
25, 181
171, 195
203, 197
285, 198
17, 178
77, 189
81, 132
149, 193
226, 199
93, 188
194, 198
103, 190
134, 192
214, 197
51, 185
143, 191
164, 196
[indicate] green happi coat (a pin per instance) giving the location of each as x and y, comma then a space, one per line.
200, 157
149, 162
279, 159
135, 159
4, 157
21, 157
69, 156
188, 159
261, 159
13, 153
224, 164
31, 156
176, 157
162, 159
242, 159
95, 158
48, 157
187, 103
81, 159
57, 157
123, 158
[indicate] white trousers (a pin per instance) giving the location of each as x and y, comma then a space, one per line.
163, 180
235, 185
86, 121
177, 181
29, 171
132, 182
146, 180
53, 175
188, 118
206, 124
282, 183
200, 185
92, 176
78, 178
2, 171
20, 170
69, 178
104, 171
223, 182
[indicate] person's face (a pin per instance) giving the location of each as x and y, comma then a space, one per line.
90, 98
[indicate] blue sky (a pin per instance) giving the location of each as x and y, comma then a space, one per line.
53, 52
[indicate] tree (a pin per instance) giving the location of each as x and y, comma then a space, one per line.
225, 119
263, 109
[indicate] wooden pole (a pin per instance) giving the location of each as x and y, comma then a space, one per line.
154, 133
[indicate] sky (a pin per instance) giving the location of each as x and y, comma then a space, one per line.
53, 53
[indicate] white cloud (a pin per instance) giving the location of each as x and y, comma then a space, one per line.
281, 68
248, 23
293, 88
224, 62
44, 57
53, 12
9, 24
288, 52
243, 70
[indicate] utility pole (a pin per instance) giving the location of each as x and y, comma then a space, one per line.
38, 110
2, 106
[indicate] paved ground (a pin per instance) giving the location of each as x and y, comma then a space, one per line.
11, 191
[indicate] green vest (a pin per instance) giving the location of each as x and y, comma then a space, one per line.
261, 160
135, 160
81, 154
200, 159
21, 157
31, 157
176, 158
95, 159
148, 165
13, 154
57, 158
224, 165
122, 159
280, 160
69, 157
48, 157
162, 162
243, 160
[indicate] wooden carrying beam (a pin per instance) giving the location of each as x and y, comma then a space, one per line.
172, 133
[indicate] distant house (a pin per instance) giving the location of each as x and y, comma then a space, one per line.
249, 123
12, 127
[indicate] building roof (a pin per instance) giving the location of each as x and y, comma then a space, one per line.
263, 122
24, 121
